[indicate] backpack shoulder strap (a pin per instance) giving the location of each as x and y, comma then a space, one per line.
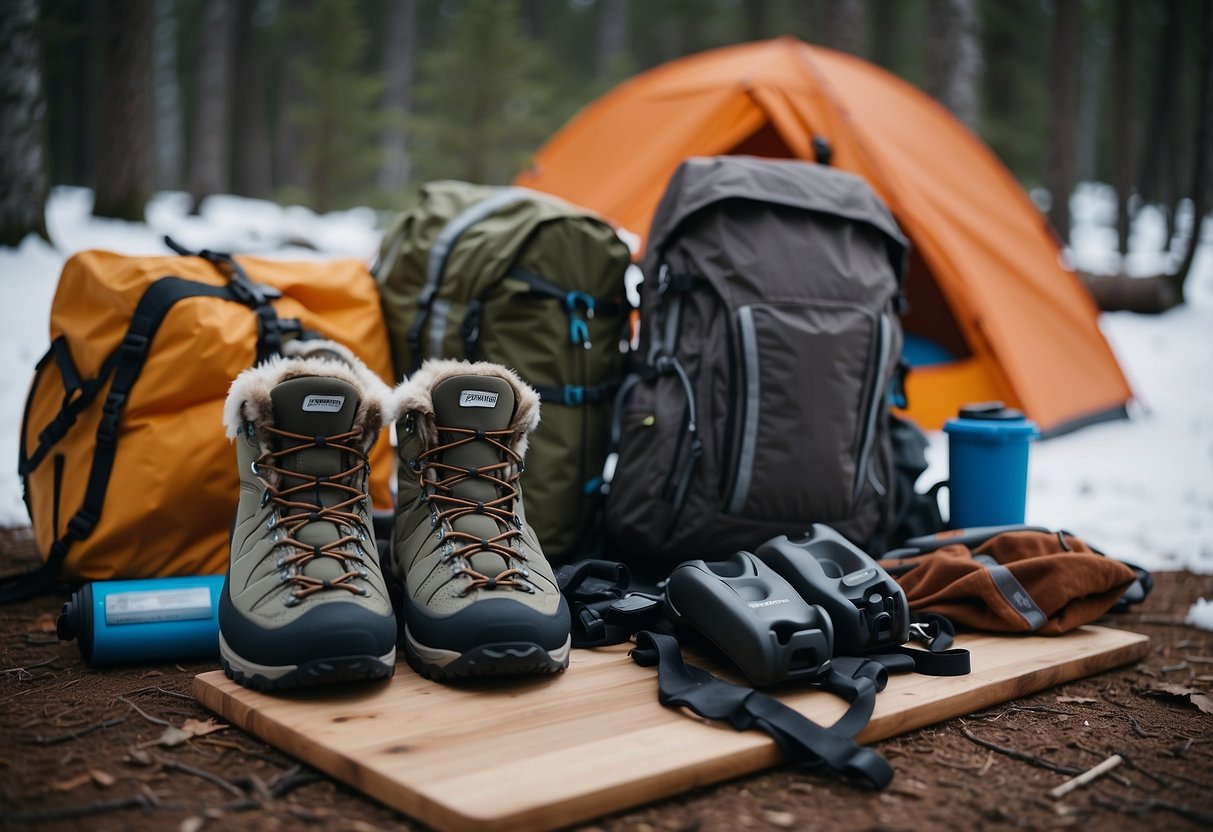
440, 252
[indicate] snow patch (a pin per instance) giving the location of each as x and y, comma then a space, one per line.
1141, 489
1201, 614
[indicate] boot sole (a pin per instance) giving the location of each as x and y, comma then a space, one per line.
501, 659
316, 672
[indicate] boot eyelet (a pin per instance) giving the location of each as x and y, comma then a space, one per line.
410, 423
414, 466
271, 523
265, 498
285, 574
256, 470
292, 600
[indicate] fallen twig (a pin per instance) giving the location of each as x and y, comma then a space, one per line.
1160, 780
38, 739
259, 755
222, 783
289, 784
1086, 777
27, 668
161, 690
1020, 755
1138, 730
154, 720
1152, 803
79, 810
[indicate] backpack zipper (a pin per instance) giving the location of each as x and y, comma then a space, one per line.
743, 471
695, 450
876, 400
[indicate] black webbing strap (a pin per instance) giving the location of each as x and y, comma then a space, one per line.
803, 742
603, 611
576, 395
73, 405
540, 285
255, 296
125, 364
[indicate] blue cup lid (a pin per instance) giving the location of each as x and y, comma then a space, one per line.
992, 421
990, 411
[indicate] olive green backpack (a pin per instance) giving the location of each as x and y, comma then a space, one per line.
523, 279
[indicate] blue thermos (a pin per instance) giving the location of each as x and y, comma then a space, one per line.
988, 465
144, 621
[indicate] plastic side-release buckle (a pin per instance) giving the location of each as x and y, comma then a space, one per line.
574, 395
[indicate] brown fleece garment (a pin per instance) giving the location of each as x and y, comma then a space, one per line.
1071, 587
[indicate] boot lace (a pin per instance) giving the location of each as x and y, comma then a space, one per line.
294, 512
503, 475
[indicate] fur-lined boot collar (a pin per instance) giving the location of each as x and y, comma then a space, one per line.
415, 396
248, 399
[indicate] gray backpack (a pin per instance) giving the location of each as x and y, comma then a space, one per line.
770, 340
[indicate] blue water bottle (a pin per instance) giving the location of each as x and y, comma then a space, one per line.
988, 465
144, 621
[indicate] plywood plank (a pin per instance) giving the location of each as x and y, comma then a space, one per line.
547, 752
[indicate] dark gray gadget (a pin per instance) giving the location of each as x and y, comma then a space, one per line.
867, 607
752, 615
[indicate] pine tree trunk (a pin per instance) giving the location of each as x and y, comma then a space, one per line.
1092, 71
887, 36
1202, 177
124, 156
170, 144
954, 56
210, 133
1154, 180
251, 151
1063, 145
758, 19
399, 58
1122, 117
843, 25
289, 170
612, 36
23, 113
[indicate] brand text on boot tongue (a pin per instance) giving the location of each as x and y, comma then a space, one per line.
477, 398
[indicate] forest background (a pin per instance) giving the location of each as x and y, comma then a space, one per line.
337, 103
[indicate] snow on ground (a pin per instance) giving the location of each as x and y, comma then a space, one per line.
1141, 489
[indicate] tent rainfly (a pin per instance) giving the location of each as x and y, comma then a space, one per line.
994, 311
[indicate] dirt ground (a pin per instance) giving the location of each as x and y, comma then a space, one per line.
85, 749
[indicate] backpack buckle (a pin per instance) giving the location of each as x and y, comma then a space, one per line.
579, 330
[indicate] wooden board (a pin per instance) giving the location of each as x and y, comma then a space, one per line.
547, 752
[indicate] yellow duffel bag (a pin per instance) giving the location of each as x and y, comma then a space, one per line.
126, 469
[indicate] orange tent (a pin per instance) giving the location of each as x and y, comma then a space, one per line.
987, 289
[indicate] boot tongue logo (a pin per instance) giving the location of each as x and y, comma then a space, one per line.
477, 398
323, 404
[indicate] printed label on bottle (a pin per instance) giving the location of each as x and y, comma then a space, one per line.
140, 607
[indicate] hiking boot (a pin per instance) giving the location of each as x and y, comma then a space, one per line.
479, 598
305, 601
